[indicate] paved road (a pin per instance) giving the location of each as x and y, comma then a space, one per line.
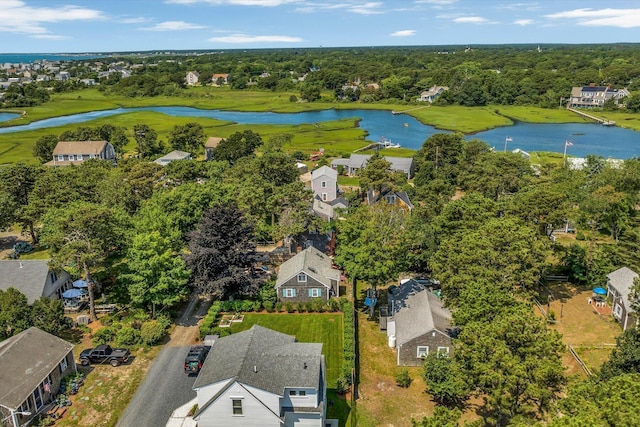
166, 386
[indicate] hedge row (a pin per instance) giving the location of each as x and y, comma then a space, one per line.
349, 349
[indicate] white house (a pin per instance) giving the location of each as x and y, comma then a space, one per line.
619, 285
174, 155
192, 77
432, 94
262, 378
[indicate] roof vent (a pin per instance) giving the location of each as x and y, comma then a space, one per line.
305, 365
313, 270
20, 264
255, 368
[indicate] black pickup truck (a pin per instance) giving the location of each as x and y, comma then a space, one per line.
104, 354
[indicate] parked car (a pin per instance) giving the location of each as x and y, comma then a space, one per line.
427, 282
195, 359
104, 354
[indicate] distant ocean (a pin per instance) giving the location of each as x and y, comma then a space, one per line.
24, 58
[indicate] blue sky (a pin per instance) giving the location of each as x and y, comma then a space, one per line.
51, 26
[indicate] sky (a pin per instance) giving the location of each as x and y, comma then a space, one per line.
52, 26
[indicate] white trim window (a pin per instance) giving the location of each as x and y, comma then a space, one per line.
325, 196
79, 157
61, 157
289, 293
63, 364
92, 156
236, 405
315, 292
423, 351
323, 184
302, 277
71, 157
443, 351
37, 397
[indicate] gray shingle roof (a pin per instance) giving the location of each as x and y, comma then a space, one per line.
25, 361
324, 170
79, 147
29, 277
313, 262
622, 281
265, 359
174, 155
416, 311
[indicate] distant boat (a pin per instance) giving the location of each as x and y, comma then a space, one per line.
406, 125
386, 143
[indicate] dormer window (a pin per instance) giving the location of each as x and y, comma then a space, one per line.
60, 157
302, 277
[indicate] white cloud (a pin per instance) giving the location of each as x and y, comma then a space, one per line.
265, 3
622, 18
470, 20
139, 20
245, 38
436, 2
371, 8
17, 17
49, 37
403, 33
523, 22
173, 26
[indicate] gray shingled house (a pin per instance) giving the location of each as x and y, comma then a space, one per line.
75, 152
418, 324
358, 161
34, 279
262, 378
619, 284
309, 274
32, 363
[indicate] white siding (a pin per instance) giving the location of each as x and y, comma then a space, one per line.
206, 393
303, 420
308, 401
254, 412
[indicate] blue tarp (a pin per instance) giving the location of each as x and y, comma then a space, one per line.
600, 291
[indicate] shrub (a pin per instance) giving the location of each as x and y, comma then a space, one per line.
104, 335
317, 305
288, 306
128, 336
333, 305
269, 306
403, 379
152, 332
279, 307
293, 98
246, 306
308, 306
301, 307
342, 386
165, 321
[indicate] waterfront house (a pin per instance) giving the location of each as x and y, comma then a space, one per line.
220, 79
262, 378
593, 96
397, 198
32, 365
75, 152
432, 94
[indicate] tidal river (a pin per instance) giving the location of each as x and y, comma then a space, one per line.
584, 138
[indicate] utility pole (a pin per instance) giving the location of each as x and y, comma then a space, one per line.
437, 147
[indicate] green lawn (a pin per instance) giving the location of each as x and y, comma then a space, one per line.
325, 328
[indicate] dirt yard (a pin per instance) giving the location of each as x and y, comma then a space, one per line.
590, 330
7, 240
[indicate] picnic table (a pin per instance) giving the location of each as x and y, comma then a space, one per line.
105, 308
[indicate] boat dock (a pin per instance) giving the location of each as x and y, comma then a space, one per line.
599, 120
